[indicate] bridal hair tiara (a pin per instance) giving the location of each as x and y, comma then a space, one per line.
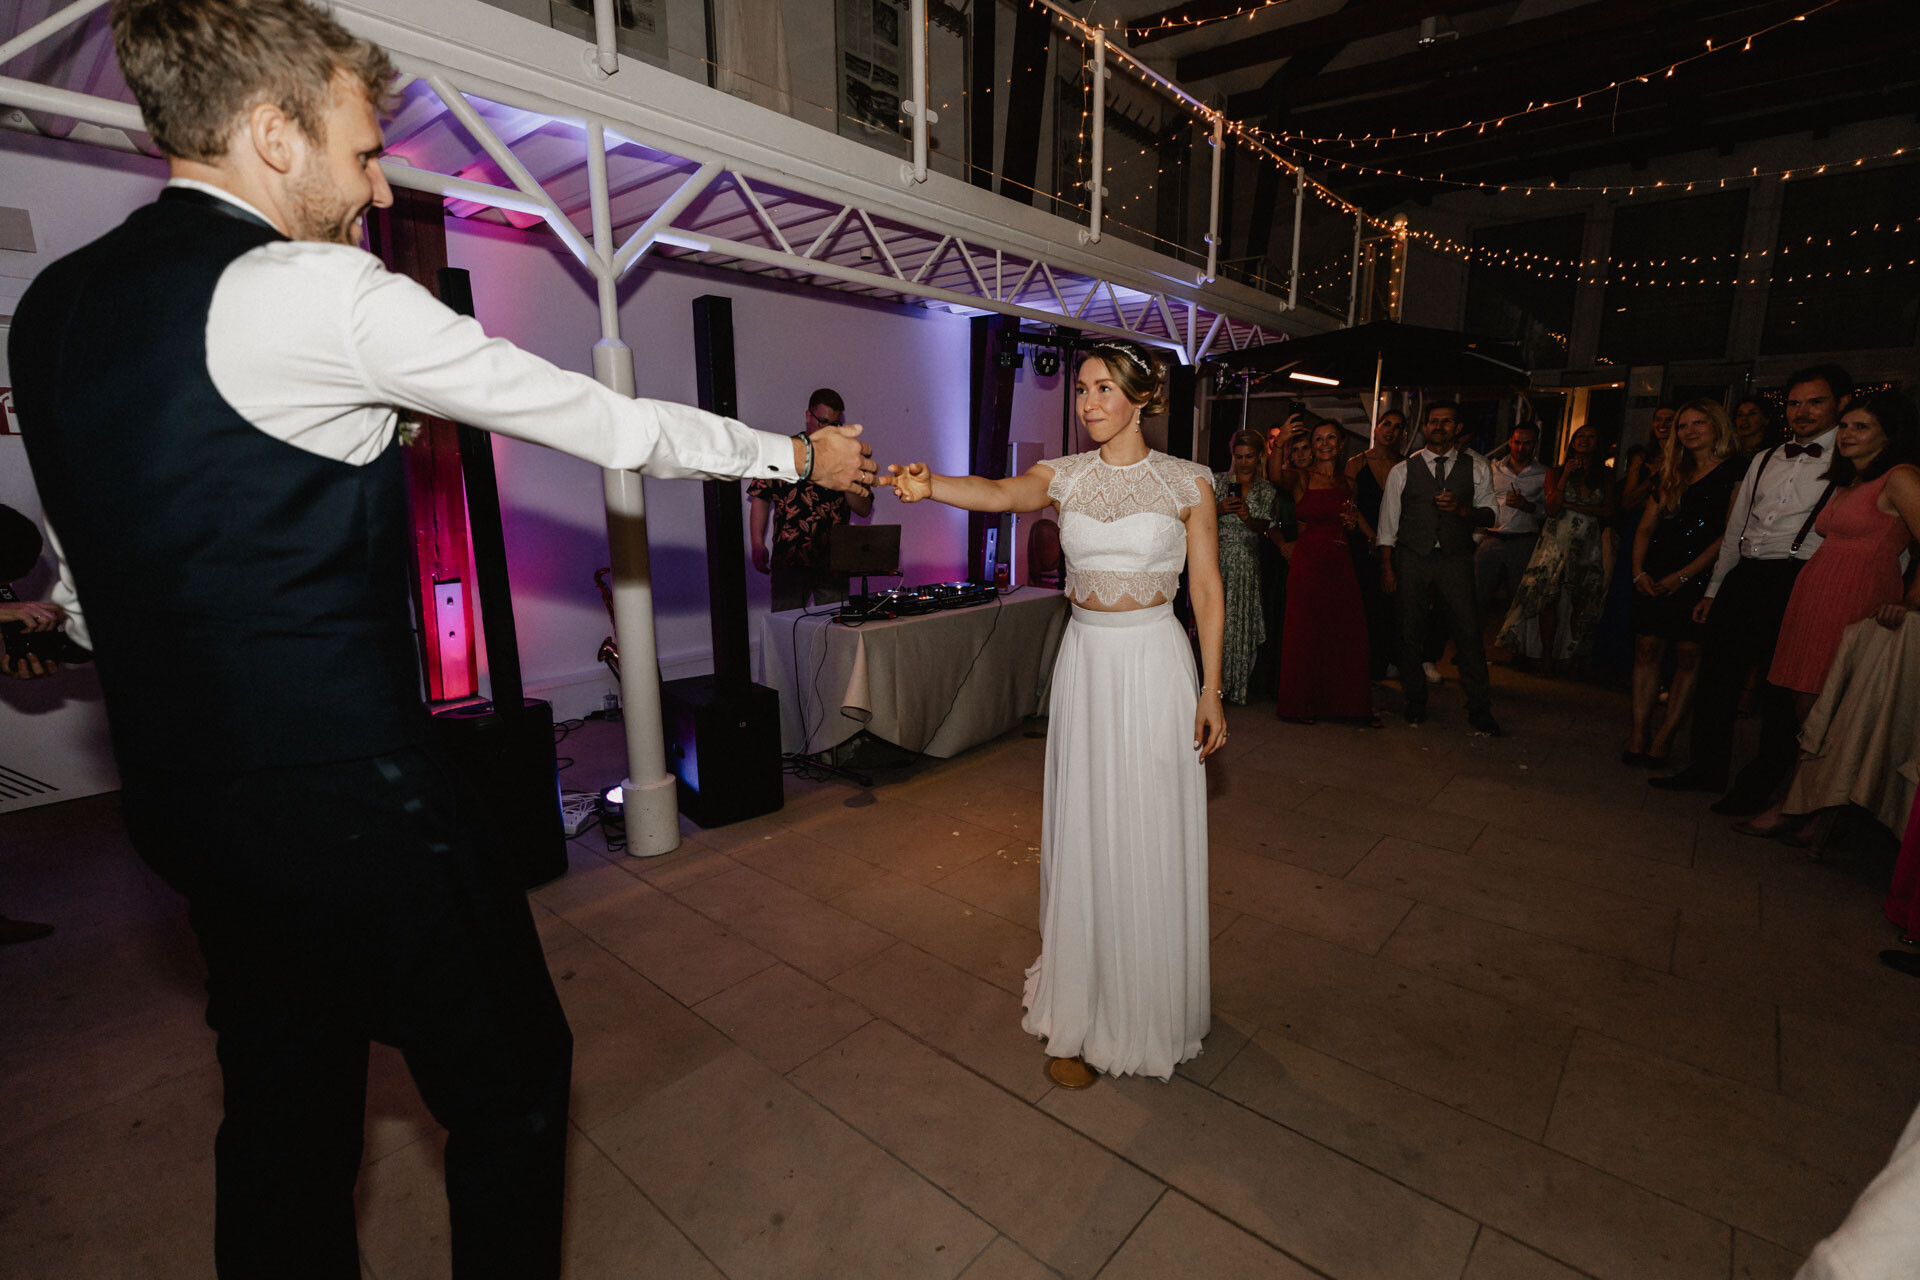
1133, 356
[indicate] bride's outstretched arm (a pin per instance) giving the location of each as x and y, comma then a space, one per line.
916, 482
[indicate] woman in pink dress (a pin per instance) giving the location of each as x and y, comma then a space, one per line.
1323, 651
1871, 519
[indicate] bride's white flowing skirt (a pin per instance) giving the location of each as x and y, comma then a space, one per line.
1122, 975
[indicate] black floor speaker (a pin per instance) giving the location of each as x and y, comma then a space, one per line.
509, 761
724, 748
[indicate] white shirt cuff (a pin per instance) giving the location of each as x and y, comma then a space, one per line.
776, 458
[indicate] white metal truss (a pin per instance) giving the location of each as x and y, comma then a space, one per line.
504, 118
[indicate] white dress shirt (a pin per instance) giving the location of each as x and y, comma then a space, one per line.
1389, 529
1531, 483
1770, 506
320, 346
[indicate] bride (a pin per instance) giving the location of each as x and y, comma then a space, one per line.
1121, 984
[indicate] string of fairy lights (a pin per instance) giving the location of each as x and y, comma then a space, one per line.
1577, 101
1292, 153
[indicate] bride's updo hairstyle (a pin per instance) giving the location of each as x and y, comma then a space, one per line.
1135, 372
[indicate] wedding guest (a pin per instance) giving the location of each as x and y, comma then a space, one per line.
1323, 663
1677, 541
1505, 550
1367, 474
1771, 535
1433, 502
1869, 525
1566, 580
1245, 498
1753, 425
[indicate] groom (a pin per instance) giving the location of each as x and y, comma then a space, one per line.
1432, 504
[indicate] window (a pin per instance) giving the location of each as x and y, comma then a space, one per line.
1670, 278
1521, 283
1843, 265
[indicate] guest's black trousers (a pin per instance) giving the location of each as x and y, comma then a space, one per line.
1742, 629
339, 904
1448, 579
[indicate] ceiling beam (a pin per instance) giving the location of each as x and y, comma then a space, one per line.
1148, 27
1545, 45
1815, 62
1529, 164
1339, 28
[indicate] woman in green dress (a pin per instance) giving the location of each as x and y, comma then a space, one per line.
1246, 502
1566, 581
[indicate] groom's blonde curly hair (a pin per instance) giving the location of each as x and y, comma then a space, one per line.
196, 67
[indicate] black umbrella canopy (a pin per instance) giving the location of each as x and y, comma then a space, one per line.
1399, 355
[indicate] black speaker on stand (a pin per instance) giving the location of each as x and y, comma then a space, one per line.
723, 731
504, 748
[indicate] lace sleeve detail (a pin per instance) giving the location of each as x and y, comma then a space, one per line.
1064, 469
1180, 477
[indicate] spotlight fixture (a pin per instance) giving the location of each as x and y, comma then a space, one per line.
1046, 362
1007, 357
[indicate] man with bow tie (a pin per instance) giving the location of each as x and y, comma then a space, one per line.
1769, 538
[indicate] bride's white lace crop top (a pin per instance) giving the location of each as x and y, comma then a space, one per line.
1120, 529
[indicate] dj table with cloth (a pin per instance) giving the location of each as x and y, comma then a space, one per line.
907, 680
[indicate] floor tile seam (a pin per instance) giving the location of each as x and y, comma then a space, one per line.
1909, 1038
641, 974
1588, 851
1861, 1126
970, 1069
211, 1063
1165, 1189
1652, 908
735, 934
1310, 1140
787, 1074
888, 1154
642, 1193
1709, 987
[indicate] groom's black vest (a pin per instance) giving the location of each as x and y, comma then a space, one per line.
248, 600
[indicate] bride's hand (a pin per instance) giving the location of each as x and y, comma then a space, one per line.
910, 483
1209, 724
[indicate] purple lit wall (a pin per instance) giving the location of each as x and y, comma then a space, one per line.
902, 370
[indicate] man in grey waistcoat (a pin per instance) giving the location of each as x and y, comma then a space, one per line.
1432, 504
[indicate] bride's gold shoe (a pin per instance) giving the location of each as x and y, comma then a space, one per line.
1071, 1073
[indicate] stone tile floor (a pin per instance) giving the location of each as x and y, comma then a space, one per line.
1485, 1010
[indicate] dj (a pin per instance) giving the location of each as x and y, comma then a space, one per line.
208, 396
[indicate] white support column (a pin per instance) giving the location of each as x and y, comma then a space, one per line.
1097, 181
651, 804
916, 107
606, 37
47, 26
1213, 203
1353, 283
1299, 209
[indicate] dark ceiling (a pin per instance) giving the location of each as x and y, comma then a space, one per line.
1324, 68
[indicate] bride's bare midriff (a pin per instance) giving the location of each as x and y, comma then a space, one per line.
1126, 604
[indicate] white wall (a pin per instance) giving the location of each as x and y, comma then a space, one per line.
903, 371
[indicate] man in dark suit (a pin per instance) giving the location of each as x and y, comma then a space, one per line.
1432, 504
209, 397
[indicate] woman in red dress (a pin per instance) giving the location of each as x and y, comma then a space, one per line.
1869, 522
1323, 651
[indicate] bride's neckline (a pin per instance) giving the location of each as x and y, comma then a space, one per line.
1123, 466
